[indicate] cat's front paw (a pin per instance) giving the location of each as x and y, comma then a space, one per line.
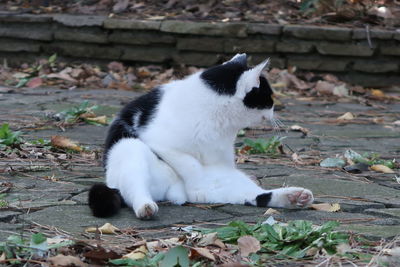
147, 211
299, 197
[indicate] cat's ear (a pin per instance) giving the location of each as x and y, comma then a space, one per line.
250, 79
239, 58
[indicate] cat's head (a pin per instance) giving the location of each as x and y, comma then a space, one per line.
247, 87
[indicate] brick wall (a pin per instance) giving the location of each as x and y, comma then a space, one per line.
342, 51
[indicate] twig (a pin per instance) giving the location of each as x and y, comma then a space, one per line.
368, 36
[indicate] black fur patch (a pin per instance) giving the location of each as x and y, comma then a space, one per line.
263, 199
223, 78
104, 201
261, 97
123, 126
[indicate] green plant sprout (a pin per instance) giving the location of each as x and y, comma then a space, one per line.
263, 146
8, 137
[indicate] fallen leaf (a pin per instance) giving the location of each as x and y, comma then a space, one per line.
219, 243
100, 119
271, 211
203, 252
137, 254
289, 79
328, 207
298, 128
64, 142
62, 260
63, 76
324, 88
115, 66
296, 158
377, 93
34, 82
207, 239
107, 228
381, 168
341, 90
248, 244
343, 248
100, 255
356, 168
346, 116
270, 221
332, 162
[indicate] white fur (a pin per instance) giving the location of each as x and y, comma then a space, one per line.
193, 131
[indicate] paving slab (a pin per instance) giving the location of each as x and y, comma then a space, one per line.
75, 219
54, 192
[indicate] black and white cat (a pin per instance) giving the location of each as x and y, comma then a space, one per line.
176, 143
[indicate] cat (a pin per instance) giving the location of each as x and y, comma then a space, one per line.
176, 143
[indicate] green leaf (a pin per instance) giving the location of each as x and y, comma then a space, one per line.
177, 256
53, 58
15, 239
129, 262
61, 244
22, 82
38, 238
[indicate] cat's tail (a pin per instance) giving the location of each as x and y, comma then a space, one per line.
104, 201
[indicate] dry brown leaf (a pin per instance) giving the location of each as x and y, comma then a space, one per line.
297, 159
34, 82
271, 211
377, 93
248, 244
62, 260
99, 119
64, 142
324, 88
345, 117
381, 168
107, 228
328, 207
203, 252
171, 242
100, 255
207, 239
298, 128
137, 254
219, 243
62, 76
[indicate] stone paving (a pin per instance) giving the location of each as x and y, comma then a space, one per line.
52, 193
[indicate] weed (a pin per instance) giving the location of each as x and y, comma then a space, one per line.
8, 137
3, 202
294, 240
15, 247
262, 146
77, 113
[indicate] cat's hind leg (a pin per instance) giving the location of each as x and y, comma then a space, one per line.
228, 185
129, 169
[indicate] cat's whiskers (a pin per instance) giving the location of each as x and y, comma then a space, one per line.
276, 127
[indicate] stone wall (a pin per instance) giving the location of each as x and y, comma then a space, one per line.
343, 51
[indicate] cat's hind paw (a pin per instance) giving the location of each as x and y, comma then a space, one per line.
147, 211
290, 197
299, 197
